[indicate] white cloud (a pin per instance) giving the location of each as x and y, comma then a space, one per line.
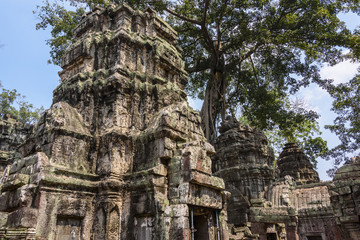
312, 93
312, 96
318, 99
341, 72
315, 97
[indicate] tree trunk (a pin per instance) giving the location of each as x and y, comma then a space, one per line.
213, 105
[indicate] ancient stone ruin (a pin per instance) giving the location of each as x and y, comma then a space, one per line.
12, 134
121, 155
345, 199
293, 162
289, 202
245, 162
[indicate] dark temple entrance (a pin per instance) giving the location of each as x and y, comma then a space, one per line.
204, 224
271, 236
201, 227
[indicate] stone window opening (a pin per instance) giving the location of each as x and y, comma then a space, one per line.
254, 188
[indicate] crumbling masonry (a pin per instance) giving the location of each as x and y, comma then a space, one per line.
287, 202
121, 155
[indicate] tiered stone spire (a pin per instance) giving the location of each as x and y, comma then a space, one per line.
120, 154
293, 162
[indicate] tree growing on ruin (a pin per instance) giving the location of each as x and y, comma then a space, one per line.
243, 57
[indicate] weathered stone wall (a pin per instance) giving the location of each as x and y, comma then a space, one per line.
120, 154
245, 162
12, 134
297, 209
345, 198
294, 205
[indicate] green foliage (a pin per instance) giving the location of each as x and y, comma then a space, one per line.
304, 131
244, 56
270, 50
14, 105
63, 22
347, 123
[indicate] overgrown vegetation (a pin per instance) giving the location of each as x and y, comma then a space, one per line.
248, 58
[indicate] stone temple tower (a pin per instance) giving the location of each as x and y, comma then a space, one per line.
293, 162
120, 154
245, 162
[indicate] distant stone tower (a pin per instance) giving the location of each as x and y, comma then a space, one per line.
293, 162
245, 162
263, 206
120, 154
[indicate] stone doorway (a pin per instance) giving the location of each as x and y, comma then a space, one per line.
271, 236
144, 228
202, 227
203, 224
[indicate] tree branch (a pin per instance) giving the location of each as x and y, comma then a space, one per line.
243, 57
201, 23
183, 17
207, 2
255, 72
249, 53
206, 32
192, 43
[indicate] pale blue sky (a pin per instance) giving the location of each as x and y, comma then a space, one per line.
24, 55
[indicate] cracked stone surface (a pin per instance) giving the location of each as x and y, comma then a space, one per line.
119, 154
12, 135
245, 162
345, 198
268, 203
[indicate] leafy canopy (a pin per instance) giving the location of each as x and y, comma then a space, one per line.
347, 123
304, 132
244, 56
